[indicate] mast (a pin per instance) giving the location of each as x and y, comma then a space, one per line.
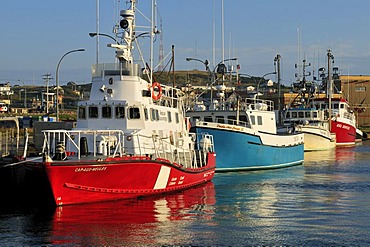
277, 69
161, 55
214, 36
97, 32
223, 32
330, 84
299, 48
152, 32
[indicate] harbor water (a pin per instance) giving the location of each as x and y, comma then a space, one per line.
324, 202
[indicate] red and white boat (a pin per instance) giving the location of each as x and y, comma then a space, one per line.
342, 117
131, 138
343, 121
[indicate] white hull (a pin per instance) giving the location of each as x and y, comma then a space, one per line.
316, 138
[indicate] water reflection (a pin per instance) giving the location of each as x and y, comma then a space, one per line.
323, 202
146, 221
340, 155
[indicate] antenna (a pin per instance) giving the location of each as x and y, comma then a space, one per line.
161, 55
299, 55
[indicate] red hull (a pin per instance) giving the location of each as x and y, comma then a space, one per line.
85, 182
346, 134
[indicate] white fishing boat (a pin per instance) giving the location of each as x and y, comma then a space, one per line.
314, 124
305, 116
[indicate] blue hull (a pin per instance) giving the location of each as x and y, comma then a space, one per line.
238, 151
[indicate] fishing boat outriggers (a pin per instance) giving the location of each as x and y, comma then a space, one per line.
131, 138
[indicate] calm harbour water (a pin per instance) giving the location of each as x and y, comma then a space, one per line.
324, 202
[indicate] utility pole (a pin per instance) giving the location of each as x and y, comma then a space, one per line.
47, 78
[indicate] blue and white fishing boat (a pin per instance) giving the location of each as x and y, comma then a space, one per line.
246, 136
244, 130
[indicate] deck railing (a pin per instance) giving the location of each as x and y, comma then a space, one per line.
189, 153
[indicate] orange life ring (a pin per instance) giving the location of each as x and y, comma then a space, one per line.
158, 96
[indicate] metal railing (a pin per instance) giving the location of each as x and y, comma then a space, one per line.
187, 151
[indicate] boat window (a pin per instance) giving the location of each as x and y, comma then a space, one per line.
294, 114
341, 106
336, 106
107, 112
152, 114
195, 118
243, 118
287, 114
314, 114
253, 120
231, 119
134, 113
146, 115
301, 114
82, 112
307, 114
169, 116
177, 117
120, 112
93, 112
220, 119
259, 120
157, 114
208, 119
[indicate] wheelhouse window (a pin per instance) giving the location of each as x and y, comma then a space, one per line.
300, 114
93, 112
220, 119
82, 112
120, 112
146, 115
134, 113
208, 119
308, 114
154, 114
259, 120
253, 120
231, 119
107, 112
169, 115
243, 118
177, 117
157, 114
195, 118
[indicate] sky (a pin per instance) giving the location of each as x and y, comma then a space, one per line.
36, 34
